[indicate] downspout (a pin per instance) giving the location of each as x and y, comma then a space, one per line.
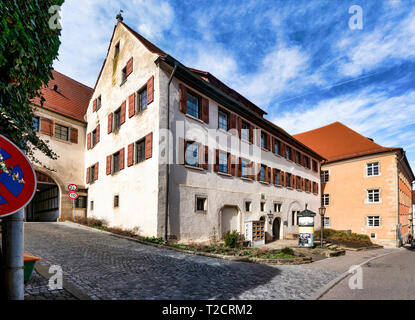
166, 221
398, 234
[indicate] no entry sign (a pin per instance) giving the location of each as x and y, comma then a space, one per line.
14, 195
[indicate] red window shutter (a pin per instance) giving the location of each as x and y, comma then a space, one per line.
268, 142
131, 105
122, 159
258, 176
87, 175
94, 106
96, 171
229, 163
240, 127
302, 184
206, 161
251, 173
205, 110
46, 126
88, 141
293, 181
110, 123
122, 116
149, 145
216, 165
150, 90
183, 98
282, 178
130, 155
129, 66
109, 165
232, 121
273, 145
268, 174
282, 149
240, 167
251, 133
98, 132
274, 174
74, 135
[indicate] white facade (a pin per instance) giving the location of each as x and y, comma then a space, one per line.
140, 188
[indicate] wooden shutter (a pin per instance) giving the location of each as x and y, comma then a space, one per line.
150, 90
130, 155
131, 105
149, 145
96, 171
122, 159
94, 105
258, 175
205, 110
183, 98
251, 173
216, 165
46, 126
282, 149
282, 178
87, 174
129, 67
74, 135
240, 127
268, 174
232, 121
239, 168
293, 181
122, 116
268, 142
88, 141
274, 174
205, 152
302, 184
230, 167
110, 123
98, 133
109, 164
273, 145
251, 133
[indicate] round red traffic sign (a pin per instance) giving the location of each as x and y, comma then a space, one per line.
73, 195
14, 195
72, 187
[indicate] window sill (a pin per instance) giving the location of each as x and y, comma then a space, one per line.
379, 175
263, 182
193, 167
224, 174
193, 118
246, 179
201, 211
380, 202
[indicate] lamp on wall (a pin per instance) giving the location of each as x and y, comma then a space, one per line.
270, 217
322, 211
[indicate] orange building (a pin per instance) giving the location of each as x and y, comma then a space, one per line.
366, 188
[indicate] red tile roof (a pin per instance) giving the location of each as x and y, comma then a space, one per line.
338, 142
66, 96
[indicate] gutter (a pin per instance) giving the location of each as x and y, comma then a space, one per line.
166, 221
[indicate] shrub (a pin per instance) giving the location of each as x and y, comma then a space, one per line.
231, 239
287, 251
154, 240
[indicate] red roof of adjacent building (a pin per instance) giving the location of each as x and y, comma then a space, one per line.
338, 142
66, 96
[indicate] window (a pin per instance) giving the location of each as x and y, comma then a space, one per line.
262, 206
277, 177
245, 131
248, 206
116, 162
373, 235
293, 218
223, 162
117, 49
98, 103
193, 105
373, 221
201, 203
116, 201
298, 183
92, 174
307, 162
36, 124
315, 166
140, 147
245, 165
192, 154
117, 119
326, 222
325, 176
61, 132
288, 153
372, 169
94, 137
298, 159
288, 180
81, 202
373, 196
263, 139
92, 205
123, 75
142, 99
223, 120
277, 147
262, 173
325, 200
277, 207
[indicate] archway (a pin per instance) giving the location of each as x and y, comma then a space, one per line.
229, 219
45, 204
276, 226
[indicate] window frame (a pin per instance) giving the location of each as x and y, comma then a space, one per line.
278, 206
37, 129
138, 103
225, 113
368, 196
373, 169
99, 103
55, 132
245, 167
94, 138
223, 165
262, 206
115, 155
116, 118
379, 221
116, 202
325, 199
246, 130
123, 75
196, 146
205, 205
325, 224
323, 175
249, 203
263, 170
199, 104
137, 153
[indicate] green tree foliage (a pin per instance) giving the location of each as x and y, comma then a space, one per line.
28, 46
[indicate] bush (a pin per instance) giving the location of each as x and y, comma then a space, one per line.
154, 240
287, 251
336, 235
231, 239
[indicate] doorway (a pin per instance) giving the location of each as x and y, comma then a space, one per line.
276, 225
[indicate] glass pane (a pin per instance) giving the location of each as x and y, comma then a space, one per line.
192, 105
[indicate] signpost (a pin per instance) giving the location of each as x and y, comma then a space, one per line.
73, 195
17, 189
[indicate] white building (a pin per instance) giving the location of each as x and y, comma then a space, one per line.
238, 166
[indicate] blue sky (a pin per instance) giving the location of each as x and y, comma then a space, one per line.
298, 60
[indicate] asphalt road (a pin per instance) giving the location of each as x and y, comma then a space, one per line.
390, 277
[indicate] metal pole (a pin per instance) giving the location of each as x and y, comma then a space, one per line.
321, 230
13, 249
73, 209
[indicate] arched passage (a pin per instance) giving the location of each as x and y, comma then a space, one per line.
46, 203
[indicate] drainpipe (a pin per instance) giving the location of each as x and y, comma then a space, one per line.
166, 221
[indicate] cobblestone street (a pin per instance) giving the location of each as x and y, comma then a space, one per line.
107, 267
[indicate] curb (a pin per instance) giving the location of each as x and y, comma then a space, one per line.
290, 261
323, 290
77, 293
